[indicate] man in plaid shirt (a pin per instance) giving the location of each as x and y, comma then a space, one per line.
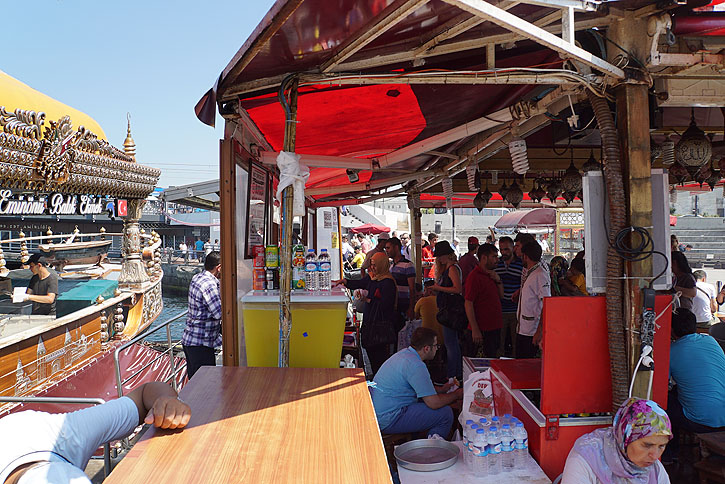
203, 330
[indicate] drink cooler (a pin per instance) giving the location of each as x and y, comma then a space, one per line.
318, 325
573, 377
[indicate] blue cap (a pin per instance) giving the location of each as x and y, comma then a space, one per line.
507, 415
494, 419
482, 420
494, 429
519, 424
474, 426
469, 422
506, 426
480, 431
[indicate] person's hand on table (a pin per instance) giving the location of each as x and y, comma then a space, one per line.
339, 282
168, 413
458, 393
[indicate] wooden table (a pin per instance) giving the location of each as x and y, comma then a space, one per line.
266, 425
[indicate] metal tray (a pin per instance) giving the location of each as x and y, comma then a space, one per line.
426, 454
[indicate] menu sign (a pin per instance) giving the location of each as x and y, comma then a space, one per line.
53, 204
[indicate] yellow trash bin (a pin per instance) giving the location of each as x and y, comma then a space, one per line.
318, 326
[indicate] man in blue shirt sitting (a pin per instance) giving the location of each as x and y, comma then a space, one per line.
697, 365
404, 397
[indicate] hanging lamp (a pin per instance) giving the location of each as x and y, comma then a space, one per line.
694, 149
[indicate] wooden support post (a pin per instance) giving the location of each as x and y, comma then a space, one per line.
285, 252
228, 204
633, 118
633, 126
416, 242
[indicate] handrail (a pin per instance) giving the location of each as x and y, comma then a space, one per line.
71, 400
120, 382
60, 236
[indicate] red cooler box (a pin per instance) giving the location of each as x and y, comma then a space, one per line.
572, 378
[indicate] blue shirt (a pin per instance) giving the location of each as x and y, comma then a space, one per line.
400, 382
204, 321
511, 277
199, 245
697, 364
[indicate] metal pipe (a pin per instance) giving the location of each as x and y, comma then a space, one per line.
285, 278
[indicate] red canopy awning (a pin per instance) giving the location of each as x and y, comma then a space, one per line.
370, 229
538, 217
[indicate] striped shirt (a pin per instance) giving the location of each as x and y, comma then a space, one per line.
203, 323
511, 277
401, 271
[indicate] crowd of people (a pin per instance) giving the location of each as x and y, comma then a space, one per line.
488, 302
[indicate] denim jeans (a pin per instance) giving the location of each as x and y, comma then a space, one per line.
419, 417
454, 362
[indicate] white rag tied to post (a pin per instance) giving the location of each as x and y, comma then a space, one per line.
292, 172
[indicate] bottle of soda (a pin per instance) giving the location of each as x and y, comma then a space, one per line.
311, 270
324, 271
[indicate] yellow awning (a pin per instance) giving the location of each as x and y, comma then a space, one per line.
17, 95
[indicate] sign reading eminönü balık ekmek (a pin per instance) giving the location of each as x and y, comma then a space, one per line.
55, 204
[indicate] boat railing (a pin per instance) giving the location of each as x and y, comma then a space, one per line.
120, 382
68, 400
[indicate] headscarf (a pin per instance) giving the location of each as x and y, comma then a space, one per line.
605, 450
382, 267
558, 268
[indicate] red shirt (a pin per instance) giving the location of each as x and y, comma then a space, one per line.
483, 292
427, 253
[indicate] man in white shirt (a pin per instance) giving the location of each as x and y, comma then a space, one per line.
535, 288
55, 448
703, 304
347, 251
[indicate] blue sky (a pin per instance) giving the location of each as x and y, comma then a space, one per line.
153, 59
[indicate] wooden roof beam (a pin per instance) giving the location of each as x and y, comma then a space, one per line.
522, 27
387, 19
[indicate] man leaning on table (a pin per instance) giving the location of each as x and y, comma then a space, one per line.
55, 448
403, 394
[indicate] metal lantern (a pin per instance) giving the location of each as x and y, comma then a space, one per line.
702, 175
679, 172
694, 148
471, 176
479, 201
553, 190
487, 195
591, 164
572, 181
569, 196
713, 179
721, 165
536, 190
503, 190
515, 195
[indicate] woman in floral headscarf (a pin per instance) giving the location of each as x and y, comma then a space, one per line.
627, 452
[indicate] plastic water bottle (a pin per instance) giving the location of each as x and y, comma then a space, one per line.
479, 453
496, 421
507, 448
506, 419
484, 423
311, 270
494, 451
324, 271
467, 434
521, 444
